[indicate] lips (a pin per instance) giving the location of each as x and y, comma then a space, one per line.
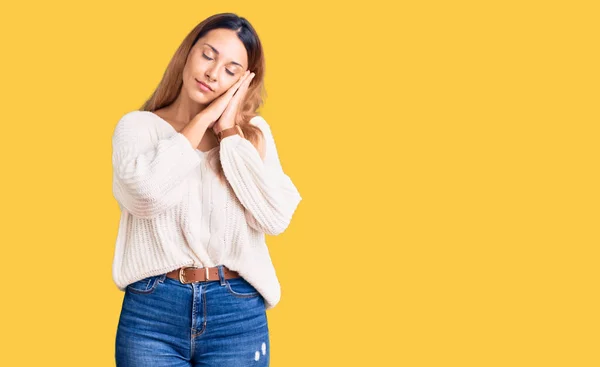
204, 85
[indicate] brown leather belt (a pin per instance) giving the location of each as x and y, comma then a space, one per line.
188, 275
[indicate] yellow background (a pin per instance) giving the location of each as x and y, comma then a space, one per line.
446, 152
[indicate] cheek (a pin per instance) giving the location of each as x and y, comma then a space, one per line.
225, 88
188, 76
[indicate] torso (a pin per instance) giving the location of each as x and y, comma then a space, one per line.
208, 142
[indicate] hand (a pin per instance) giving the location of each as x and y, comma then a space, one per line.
212, 113
227, 119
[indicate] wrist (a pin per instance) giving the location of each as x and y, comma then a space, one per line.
218, 128
204, 122
224, 133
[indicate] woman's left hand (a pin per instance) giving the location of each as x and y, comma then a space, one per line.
227, 119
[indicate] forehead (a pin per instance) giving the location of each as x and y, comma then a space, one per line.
227, 44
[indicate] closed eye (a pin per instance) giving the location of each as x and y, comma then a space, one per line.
209, 58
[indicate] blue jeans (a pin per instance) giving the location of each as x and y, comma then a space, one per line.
217, 323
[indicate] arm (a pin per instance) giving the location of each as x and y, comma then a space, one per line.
266, 192
149, 174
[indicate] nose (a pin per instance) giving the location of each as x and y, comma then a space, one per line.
211, 74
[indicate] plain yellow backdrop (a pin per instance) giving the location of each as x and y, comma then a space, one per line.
446, 152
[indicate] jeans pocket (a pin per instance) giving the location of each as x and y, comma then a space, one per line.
239, 287
144, 286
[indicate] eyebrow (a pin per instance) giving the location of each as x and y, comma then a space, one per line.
215, 50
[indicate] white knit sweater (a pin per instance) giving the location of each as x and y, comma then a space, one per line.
175, 212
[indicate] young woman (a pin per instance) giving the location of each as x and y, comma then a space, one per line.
198, 179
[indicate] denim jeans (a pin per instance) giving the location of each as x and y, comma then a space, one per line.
164, 322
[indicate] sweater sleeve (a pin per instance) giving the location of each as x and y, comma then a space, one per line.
149, 172
266, 192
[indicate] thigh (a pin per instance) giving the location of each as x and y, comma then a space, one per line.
153, 329
237, 332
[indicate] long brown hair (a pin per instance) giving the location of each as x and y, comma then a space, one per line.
172, 81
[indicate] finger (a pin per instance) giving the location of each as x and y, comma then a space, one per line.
245, 85
242, 79
242, 83
237, 84
240, 93
248, 80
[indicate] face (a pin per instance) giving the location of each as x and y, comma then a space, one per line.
218, 59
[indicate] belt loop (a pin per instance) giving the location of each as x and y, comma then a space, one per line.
162, 277
221, 274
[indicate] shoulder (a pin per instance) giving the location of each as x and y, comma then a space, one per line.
261, 123
258, 120
138, 117
135, 121
139, 126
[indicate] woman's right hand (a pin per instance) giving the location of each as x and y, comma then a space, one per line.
215, 109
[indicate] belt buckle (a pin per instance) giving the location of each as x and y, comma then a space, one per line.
182, 278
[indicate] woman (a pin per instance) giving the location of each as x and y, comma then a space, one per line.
198, 180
